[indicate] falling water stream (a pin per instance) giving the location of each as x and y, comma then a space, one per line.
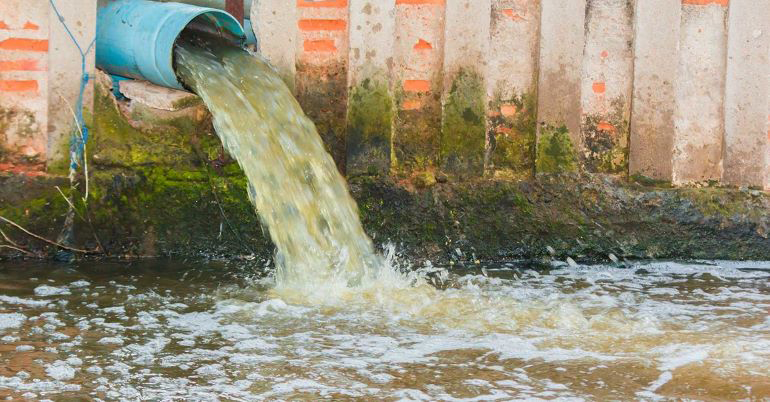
339, 320
294, 184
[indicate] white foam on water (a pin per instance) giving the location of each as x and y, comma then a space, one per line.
111, 340
47, 291
80, 284
11, 320
60, 370
23, 302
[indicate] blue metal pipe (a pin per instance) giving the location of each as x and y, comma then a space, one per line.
136, 38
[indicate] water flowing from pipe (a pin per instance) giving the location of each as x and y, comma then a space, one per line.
294, 184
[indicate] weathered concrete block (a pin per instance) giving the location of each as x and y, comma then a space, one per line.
322, 70
275, 25
64, 72
562, 39
40, 76
418, 59
699, 93
24, 48
464, 128
656, 61
156, 96
371, 103
511, 78
747, 93
608, 67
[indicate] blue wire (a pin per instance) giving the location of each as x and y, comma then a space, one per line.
77, 144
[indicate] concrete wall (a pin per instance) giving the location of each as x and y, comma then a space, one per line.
675, 90
747, 92
40, 73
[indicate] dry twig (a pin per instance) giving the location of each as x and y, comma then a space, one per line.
43, 239
13, 245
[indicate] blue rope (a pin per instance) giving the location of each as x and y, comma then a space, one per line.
77, 144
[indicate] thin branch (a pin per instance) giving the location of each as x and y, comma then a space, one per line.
43, 239
8, 239
82, 140
21, 250
85, 168
93, 231
70, 203
86, 219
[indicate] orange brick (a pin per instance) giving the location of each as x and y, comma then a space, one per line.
322, 25
31, 45
321, 45
322, 3
18, 86
3, 25
513, 14
723, 3
411, 105
599, 87
31, 27
508, 110
419, 2
19, 65
417, 86
422, 44
605, 126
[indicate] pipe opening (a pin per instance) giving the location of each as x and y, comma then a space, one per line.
212, 24
137, 38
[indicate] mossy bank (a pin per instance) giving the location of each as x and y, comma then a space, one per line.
161, 185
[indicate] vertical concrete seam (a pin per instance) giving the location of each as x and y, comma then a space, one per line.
726, 22
536, 80
635, 22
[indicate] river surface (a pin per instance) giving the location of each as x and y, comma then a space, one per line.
171, 330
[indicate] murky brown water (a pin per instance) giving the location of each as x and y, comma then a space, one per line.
169, 330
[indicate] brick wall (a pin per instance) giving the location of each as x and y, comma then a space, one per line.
40, 68
675, 90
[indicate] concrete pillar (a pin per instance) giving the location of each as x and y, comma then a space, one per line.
275, 25
562, 39
511, 77
65, 70
24, 48
747, 94
608, 70
656, 61
371, 103
464, 128
699, 92
322, 70
419, 55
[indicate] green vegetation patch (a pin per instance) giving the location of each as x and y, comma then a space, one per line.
555, 152
370, 127
464, 129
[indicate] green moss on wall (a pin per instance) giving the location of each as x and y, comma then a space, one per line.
464, 127
555, 152
322, 92
605, 139
172, 142
417, 131
370, 127
157, 186
511, 137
